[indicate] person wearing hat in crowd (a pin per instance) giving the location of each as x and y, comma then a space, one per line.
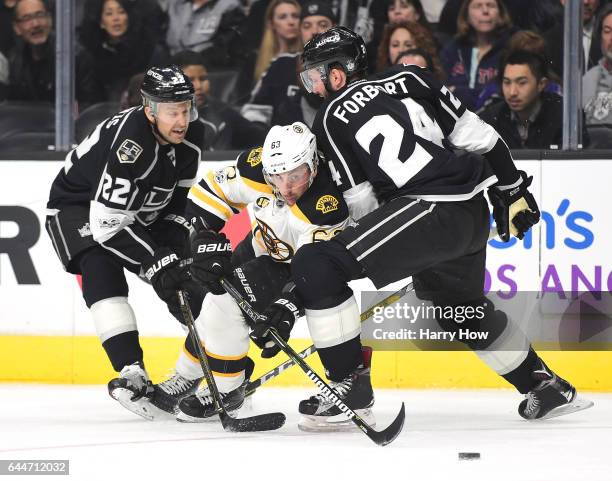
277, 99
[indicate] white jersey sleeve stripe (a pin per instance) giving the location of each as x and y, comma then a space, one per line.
473, 134
119, 254
139, 240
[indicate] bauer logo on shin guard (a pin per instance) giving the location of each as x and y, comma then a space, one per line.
160, 264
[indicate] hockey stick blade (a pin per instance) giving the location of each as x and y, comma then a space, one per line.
261, 422
382, 438
255, 384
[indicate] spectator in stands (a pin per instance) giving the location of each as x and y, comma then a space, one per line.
405, 36
224, 128
7, 35
211, 27
471, 59
32, 60
113, 34
389, 12
281, 35
597, 82
525, 14
397, 11
153, 20
591, 47
529, 117
277, 98
132, 96
416, 56
521, 40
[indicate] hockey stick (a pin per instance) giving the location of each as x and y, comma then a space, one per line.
381, 438
253, 385
262, 422
365, 315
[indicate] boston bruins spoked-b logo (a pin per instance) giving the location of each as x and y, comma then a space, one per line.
277, 249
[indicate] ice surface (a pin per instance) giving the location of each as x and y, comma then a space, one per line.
103, 441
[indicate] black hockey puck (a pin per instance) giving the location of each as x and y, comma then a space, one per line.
469, 456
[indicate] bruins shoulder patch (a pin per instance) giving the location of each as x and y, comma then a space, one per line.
262, 202
254, 157
327, 203
128, 152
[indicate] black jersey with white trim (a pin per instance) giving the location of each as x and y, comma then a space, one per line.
128, 180
394, 130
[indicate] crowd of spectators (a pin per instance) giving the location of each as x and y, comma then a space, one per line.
502, 58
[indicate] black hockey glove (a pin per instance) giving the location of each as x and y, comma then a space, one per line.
515, 210
212, 254
172, 231
166, 274
281, 315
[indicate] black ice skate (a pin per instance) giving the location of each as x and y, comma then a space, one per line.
321, 414
133, 390
168, 393
552, 397
199, 407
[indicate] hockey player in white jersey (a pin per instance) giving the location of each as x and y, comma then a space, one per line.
118, 204
420, 212
291, 202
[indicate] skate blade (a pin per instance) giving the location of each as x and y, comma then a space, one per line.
141, 406
578, 404
182, 417
338, 423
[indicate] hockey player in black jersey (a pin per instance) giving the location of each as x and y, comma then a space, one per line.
420, 212
290, 204
118, 203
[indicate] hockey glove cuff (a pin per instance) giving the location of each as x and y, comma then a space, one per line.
166, 274
515, 210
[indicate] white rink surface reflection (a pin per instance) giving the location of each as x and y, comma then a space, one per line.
105, 442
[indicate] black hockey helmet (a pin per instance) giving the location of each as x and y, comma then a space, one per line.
337, 46
167, 85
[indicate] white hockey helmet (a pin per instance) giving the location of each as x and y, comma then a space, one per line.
287, 147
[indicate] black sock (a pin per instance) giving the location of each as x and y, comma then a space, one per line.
339, 361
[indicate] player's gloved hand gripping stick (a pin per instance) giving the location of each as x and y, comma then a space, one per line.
212, 254
365, 315
381, 438
514, 209
262, 422
281, 315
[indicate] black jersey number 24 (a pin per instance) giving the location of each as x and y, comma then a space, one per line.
392, 132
